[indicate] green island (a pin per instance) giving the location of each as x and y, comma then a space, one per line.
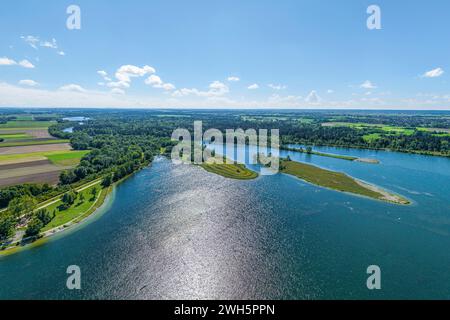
309, 150
338, 181
232, 171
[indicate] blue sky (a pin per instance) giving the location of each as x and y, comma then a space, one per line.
226, 54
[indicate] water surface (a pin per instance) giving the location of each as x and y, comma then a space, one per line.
178, 232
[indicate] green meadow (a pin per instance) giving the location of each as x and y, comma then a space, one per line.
69, 158
26, 124
378, 131
80, 206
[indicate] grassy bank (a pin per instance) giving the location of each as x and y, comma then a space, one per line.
80, 206
72, 216
337, 181
101, 199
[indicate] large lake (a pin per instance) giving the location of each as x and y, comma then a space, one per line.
178, 232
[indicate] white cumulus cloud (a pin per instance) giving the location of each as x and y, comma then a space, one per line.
433, 73
104, 75
233, 79
156, 82
367, 85
253, 86
26, 64
7, 62
126, 72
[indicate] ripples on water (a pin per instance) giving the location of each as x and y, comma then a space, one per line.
178, 232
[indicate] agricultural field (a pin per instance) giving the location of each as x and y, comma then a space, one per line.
29, 154
71, 158
26, 132
23, 117
18, 150
376, 131
15, 136
36, 167
35, 142
27, 124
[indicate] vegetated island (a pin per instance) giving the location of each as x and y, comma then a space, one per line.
230, 170
309, 150
338, 181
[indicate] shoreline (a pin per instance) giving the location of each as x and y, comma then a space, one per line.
66, 228
388, 196
106, 195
